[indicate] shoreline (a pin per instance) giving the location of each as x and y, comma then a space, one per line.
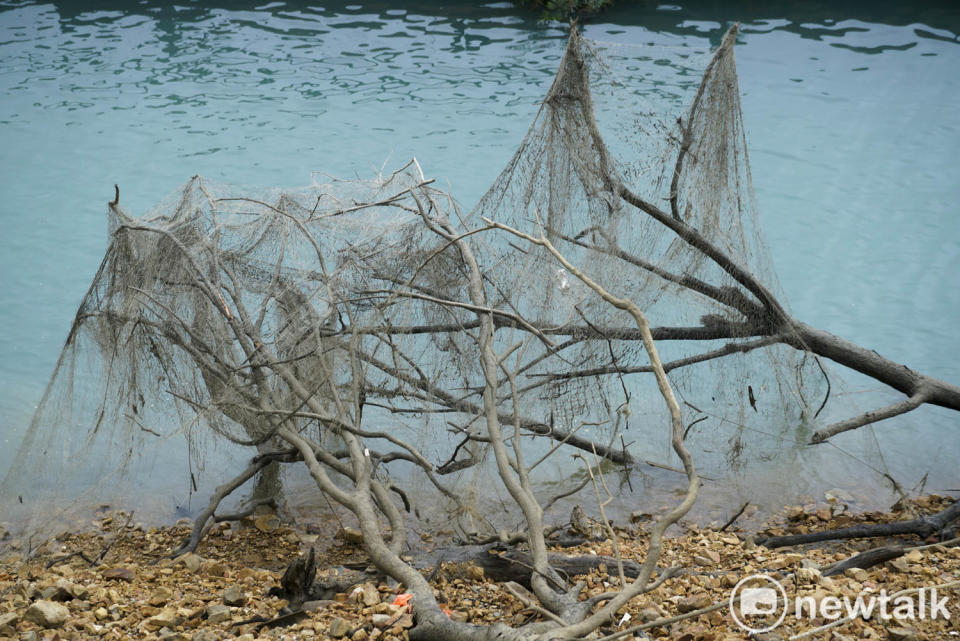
135, 592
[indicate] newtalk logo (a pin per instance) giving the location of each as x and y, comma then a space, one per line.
759, 603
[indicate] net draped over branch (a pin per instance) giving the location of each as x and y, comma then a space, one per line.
225, 315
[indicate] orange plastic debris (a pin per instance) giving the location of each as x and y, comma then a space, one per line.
402, 599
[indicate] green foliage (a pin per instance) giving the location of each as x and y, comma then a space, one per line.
565, 9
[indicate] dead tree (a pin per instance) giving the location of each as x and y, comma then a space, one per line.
377, 335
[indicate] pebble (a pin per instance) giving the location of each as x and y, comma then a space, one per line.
693, 602
166, 618
857, 574
217, 613
120, 574
8, 622
902, 634
339, 628
47, 614
234, 596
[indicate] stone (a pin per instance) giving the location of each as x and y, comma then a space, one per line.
217, 614
47, 614
360, 635
380, 620
475, 573
713, 556
191, 561
350, 535
339, 628
56, 593
913, 556
808, 575
369, 594
161, 596
266, 523
898, 565
857, 574
693, 602
836, 495
215, 568
166, 618
313, 606
8, 623
120, 574
234, 596
902, 634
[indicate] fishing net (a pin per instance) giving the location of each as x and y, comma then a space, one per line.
225, 314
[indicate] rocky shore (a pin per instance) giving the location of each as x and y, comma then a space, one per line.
135, 591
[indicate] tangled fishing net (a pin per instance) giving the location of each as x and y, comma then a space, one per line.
215, 317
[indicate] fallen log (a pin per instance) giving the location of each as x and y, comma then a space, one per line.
867, 559
923, 527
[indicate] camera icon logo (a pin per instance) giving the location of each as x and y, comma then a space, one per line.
758, 601
755, 601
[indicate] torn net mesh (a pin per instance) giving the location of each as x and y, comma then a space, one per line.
157, 394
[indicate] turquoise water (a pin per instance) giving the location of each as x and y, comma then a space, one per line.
852, 121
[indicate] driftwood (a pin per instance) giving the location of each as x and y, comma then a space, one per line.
300, 583
923, 527
499, 563
867, 559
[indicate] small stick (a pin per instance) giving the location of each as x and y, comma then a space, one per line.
735, 517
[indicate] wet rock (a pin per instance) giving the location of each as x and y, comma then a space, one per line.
47, 614
339, 628
234, 596
218, 614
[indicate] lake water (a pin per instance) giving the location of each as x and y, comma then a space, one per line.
853, 121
